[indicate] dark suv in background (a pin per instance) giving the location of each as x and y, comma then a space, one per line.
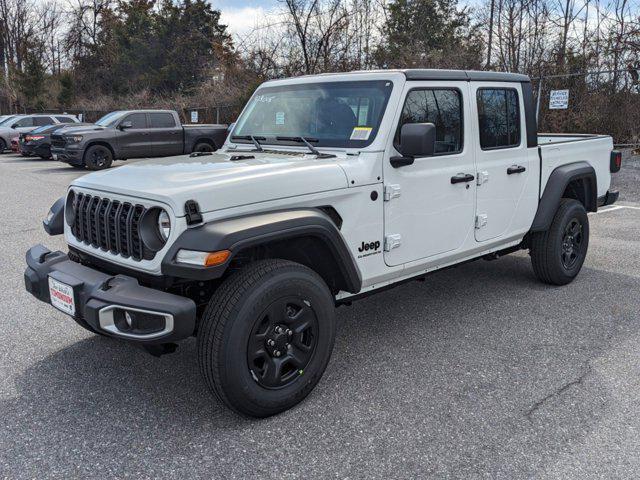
37, 143
128, 134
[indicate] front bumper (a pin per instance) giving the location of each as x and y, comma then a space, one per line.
97, 294
72, 156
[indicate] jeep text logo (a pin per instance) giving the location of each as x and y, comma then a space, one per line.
369, 246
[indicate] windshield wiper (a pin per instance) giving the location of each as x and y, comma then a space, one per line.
307, 142
254, 139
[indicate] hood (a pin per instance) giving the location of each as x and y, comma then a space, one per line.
77, 130
216, 182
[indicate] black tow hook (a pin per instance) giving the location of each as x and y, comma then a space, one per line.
161, 349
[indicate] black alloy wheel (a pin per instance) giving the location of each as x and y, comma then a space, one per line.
282, 342
571, 243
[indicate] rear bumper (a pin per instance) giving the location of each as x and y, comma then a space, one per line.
97, 295
608, 198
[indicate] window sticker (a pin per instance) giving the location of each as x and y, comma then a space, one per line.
279, 118
360, 133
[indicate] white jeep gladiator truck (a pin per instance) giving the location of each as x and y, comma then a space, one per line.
329, 188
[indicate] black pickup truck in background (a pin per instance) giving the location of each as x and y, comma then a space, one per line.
128, 134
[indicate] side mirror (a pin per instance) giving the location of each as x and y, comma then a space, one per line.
125, 125
416, 140
14, 125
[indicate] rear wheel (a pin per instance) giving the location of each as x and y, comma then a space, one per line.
557, 255
98, 157
203, 147
3, 145
266, 337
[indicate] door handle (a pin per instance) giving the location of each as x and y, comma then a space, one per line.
515, 169
462, 178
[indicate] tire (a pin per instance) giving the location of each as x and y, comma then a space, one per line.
3, 145
557, 255
203, 147
98, 157
244, 315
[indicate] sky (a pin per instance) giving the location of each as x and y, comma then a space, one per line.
241, 15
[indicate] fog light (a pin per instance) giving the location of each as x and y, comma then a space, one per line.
138, 323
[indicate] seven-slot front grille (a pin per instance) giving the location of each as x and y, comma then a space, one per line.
57, 141
110, 225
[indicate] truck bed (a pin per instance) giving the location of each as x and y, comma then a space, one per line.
558, 149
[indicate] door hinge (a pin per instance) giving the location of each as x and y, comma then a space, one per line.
392, 241
481, 220
482, 177
391, 191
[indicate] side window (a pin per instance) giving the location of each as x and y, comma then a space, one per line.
443, 108
24, 122
138, 120
162, 120
65, 119
499, 118
42, 121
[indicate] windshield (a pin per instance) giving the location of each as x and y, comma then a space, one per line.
109, 119
7, 120
327, 114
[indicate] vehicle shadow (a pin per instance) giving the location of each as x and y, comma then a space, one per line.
477, 344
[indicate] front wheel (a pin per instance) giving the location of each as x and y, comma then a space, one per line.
557, 255
266, 337
98, 157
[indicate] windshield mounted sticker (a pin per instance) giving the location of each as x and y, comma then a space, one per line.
360, 133
279, 118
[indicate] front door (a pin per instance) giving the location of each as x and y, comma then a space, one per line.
430, 207
502, 158
134, 141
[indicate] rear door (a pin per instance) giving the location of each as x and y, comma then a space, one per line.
135, 142
426, 213
166, 134
501, 158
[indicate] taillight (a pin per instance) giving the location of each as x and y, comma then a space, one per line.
34, 137
616, 161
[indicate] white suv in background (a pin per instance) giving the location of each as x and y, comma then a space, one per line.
12, 126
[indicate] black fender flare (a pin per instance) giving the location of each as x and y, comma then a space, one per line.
238, 233
558, 181
54, 223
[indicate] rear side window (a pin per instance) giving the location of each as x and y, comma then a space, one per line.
42, 121
162, 120
138, 120
65, 119
499, 118
24, 122
443, 108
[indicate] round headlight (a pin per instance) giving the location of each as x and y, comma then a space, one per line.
164, 225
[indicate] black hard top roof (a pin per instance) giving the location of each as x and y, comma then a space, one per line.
468, 75
437, 74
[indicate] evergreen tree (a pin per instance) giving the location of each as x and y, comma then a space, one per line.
66, 94
429, 33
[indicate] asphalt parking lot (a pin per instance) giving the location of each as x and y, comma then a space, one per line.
478, 372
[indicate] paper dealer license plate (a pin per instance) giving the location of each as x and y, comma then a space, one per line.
62, 296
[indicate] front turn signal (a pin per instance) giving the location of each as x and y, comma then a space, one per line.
203, 259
